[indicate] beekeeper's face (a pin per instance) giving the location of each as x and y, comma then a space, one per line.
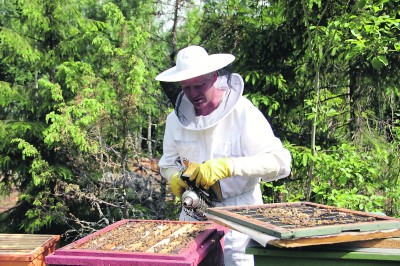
202, 93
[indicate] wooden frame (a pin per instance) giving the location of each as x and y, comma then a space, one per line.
205, 249
26, 249
379, 223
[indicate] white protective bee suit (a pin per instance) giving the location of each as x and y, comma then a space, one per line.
237, 130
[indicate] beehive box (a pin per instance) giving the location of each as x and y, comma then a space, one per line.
26, 249
332, 255
146, 242
304, 221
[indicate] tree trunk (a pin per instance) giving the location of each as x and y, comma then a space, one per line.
352, 89
173, 31
149, 146
313, 135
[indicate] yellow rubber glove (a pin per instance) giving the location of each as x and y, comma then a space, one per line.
211, 171
178, 186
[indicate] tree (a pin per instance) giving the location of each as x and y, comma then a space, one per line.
76, 99
306, 65
37, 37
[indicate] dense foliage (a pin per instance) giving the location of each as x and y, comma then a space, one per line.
325, 73
75, 102
79, 107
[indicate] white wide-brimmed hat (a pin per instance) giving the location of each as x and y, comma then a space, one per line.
194, 61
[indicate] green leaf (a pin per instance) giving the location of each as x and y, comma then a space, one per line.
350, 55
376, 63
397, 46
356, 33
383, 59
360, 4
342, 179
305, 159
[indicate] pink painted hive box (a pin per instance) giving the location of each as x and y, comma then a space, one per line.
146, 242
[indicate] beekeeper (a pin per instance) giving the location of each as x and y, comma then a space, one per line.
215, 126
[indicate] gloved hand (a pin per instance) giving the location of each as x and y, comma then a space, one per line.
209, 172
178, 186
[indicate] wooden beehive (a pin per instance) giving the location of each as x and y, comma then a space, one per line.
332, 255
146, 242
305, 223
26, 249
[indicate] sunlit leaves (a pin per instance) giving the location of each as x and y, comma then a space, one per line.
372, 31
339, 66
14, 46
345, 177
379, 61
54, 89
115, 20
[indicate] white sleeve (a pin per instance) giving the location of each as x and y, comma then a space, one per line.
263, 154
170, 162
264, 165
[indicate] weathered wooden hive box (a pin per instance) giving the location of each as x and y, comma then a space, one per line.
305, 223
26, 249
146, 242
305, 233
382, 252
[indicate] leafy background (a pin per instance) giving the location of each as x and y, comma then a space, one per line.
82, 118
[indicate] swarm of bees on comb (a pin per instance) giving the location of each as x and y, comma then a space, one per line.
151, 236
302, 216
